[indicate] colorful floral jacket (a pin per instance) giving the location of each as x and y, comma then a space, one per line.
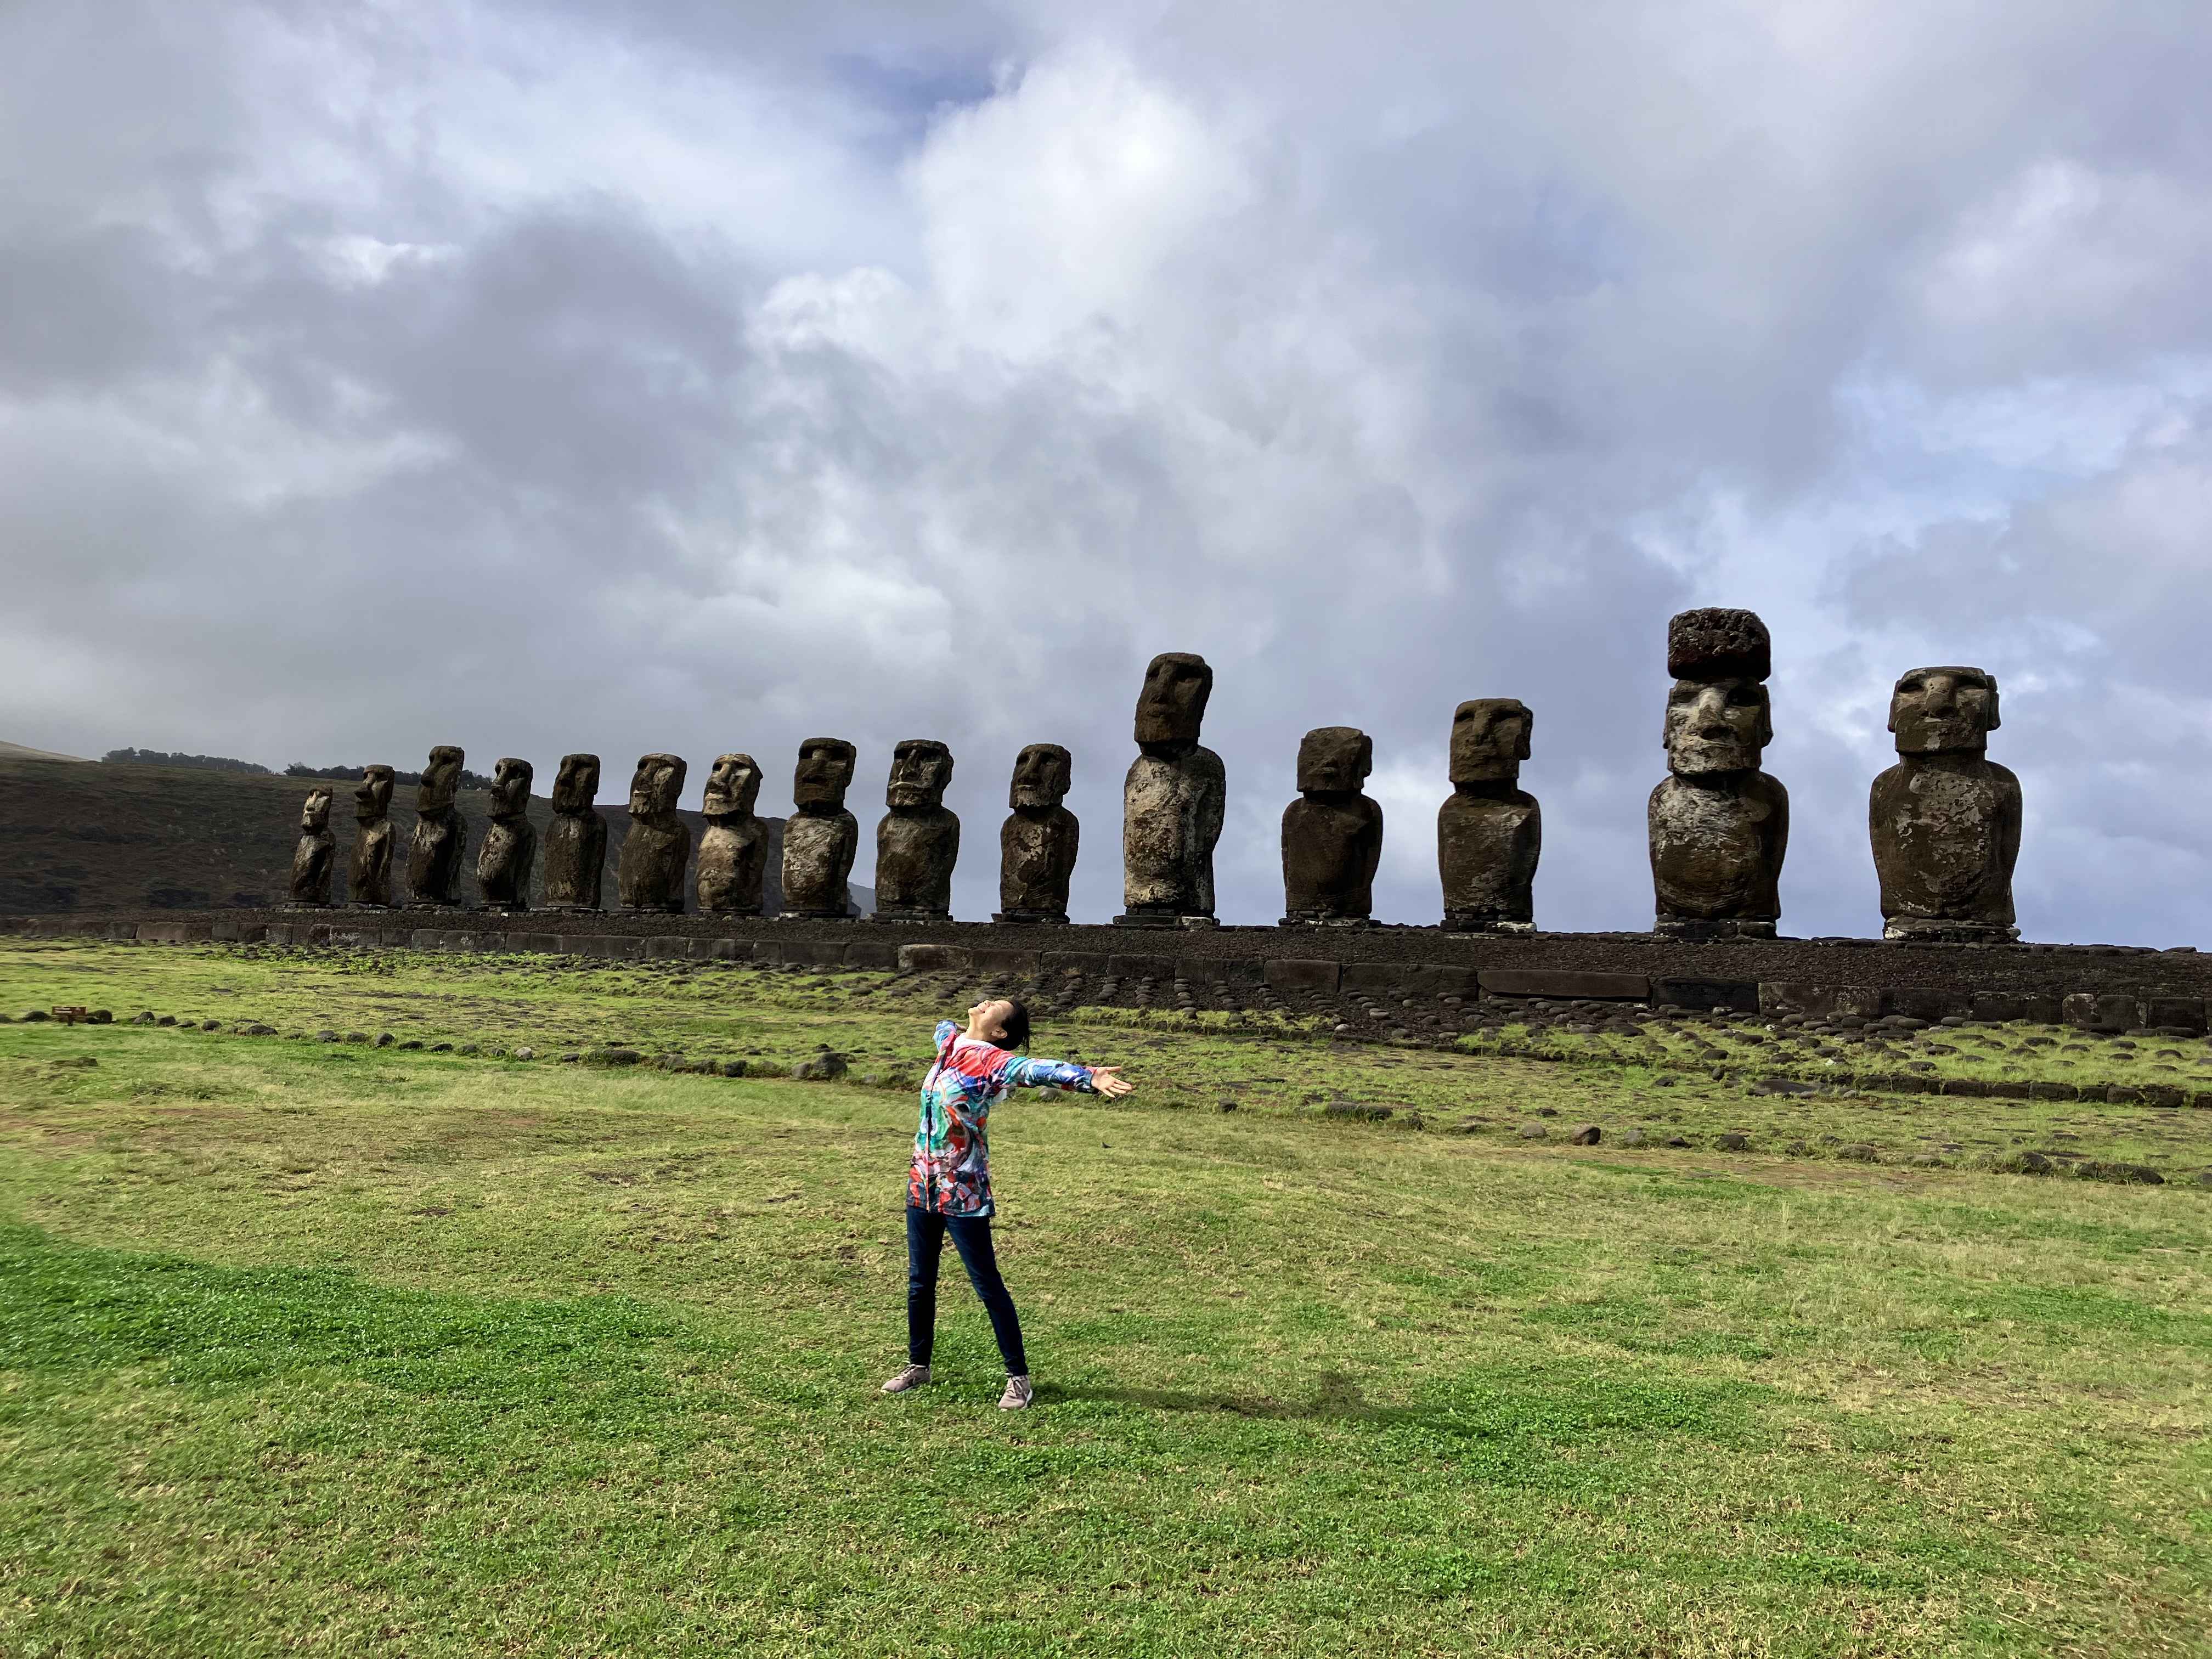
951, 1169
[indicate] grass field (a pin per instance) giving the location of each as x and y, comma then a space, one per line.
323, 1348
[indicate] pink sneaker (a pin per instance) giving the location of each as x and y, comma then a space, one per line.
911, 1377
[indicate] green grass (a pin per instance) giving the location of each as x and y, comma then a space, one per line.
311, 1348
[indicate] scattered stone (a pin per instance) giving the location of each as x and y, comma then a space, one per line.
2137, 1175
1534, 1132
1797, 1149
412, 1043
1930, 1161
356, 1036
1586, 1136
259, 1030
145, 1019
526, 1052
1782, 1085
35, 1016
1677, 1141
1632, 1137
326, 1036
612, 1056
824, 1068
100, 1017
1733, 1142
1858, 1152
1547, 1111
468, 1048
166, 1019
384, 1039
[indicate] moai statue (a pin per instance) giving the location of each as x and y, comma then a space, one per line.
1946, 818
820, 837
1172, 801
1489, 831
1037, 842
649, 874
918, 841
734, 847
576, 841
510, 844
1719, 826
441, 834
1333, 832
369, 878
314, 860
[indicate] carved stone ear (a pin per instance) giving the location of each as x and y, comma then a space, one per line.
1521, 749
1993, 702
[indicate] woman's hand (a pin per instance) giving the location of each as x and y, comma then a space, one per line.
1109, 1081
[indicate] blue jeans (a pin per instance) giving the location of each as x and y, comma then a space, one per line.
971, 1237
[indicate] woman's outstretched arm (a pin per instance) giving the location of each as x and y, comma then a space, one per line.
1022, 1072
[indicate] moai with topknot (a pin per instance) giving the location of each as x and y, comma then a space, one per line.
649, 872
1946, 818
509, 851
436, 850
820, 837
314, 858
1490, 831
734, 847
1333, 832
918, 840
576, 841
1172, 801
368, 876
1719, 826
1038, 842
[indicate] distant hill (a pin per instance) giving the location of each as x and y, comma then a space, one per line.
85, 837
16, 751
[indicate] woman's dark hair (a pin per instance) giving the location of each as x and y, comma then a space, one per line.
1017, 1026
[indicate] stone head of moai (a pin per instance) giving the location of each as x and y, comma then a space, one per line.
733, 787
1943, 711
315, 812
1718, 716
823, 775
510, 788
1044, 773
921, 769
576, 785
1172, 705
1489, 739
441, 781
372, 796
655, 785
1334, 760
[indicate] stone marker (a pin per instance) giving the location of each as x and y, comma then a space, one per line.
369, 878
820, 837
1718, 825
734, 847
1489, 831
918, 840
509, 852
314, 858
1333, 832
1172, 801
1037, 842
1945, 820
576, 842
649, 874
434, 852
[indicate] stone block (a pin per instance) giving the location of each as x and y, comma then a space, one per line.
173, 932
2043, 1008
544, 944
815, 953
1243, 972
1740, 995
879, 954
1567, 987
1867, 1001
2186, 1013
665, 947
1931, 1002
1433, 980
1092, 965
1999, 1006
619, 946
2100, 1011
1121, 966
1285, 975
933, 959
1375, 978
1785, 996
1972, 1088
1004, 964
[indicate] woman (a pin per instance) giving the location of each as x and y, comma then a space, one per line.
948, 1187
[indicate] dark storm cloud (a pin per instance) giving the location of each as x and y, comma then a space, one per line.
694, 377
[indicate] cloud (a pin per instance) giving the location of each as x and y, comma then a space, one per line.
541, 377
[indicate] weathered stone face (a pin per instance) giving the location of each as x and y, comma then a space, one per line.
916, 847
656, 785
1171, 812
510, 788
1334, 760
1716, 725
1038, 847
368, 878
1945, 821
733, 787
440, 841
921, 769
649, 872
1943, 711
1489, 739
576, 787
1333, 833
1043, 774
509, 851
823, 775
1172, 705
315, 812
314, 858
372, 796
1489, 834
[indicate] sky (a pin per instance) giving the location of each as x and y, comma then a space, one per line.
695, 376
